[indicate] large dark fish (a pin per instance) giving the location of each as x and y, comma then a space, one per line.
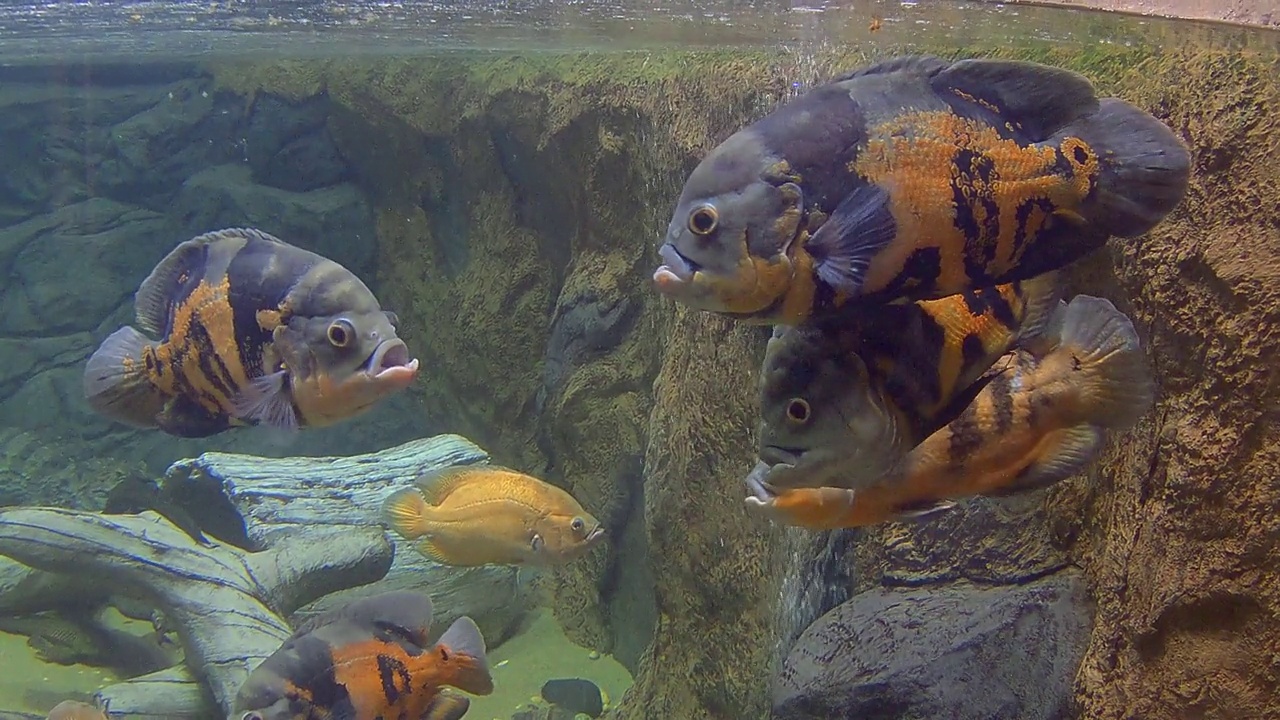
369, 660
1038, 419
254, 331
866, 387
915, 178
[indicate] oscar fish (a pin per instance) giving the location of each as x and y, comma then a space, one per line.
481, 515
369, 660
1037, 420
253, 331
915, 178
76, 710
864, 388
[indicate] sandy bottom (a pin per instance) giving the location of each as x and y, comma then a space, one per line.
28, 684
520, 665
537, 654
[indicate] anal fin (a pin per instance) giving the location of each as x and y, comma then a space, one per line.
1064, 453
183, 417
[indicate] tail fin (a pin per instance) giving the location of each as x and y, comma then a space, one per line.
1117, 387
1144, 167
405, 512
465, 643
116, 382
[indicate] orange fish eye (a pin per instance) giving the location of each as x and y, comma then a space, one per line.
703, 220
578, 525
341, 332
798, 410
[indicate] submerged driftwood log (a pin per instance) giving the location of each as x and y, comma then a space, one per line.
316, 525
275, 496
226, 604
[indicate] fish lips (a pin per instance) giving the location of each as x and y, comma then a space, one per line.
594, 536
779, 455
390, 364
676, 270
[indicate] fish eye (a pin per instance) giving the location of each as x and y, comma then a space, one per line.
703, 220
341, 332
578, 525
251, 716
798, 410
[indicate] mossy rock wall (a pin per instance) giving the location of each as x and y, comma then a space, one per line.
519, 201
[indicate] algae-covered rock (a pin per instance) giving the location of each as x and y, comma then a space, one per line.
334, 221
962, 651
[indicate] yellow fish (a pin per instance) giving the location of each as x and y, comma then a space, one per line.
915, 178
1038, 419
486, 515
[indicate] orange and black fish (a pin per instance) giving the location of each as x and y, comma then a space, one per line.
1037, 419
369, 660
915, 178
481, 515
254, 331
76, 710
865, 387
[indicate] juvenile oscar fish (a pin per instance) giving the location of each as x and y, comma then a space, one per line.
1037, 420
253, 331
915, 178
866, 387
369, 660
481, 515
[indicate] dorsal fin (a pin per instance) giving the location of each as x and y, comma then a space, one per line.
152, 301
436, 485
1040, 99
155, 296
925, 65
407, 610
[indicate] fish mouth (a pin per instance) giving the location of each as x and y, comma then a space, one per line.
782, 455
595, 535
761, 493
390, 361
676, 268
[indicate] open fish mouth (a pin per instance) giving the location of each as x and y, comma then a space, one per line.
760, 492
676, 267
595, 535
390, 360
761, 497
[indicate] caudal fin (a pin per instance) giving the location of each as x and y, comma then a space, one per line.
1114, 379
116, 382
1144, 167
464, 642
405, 512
